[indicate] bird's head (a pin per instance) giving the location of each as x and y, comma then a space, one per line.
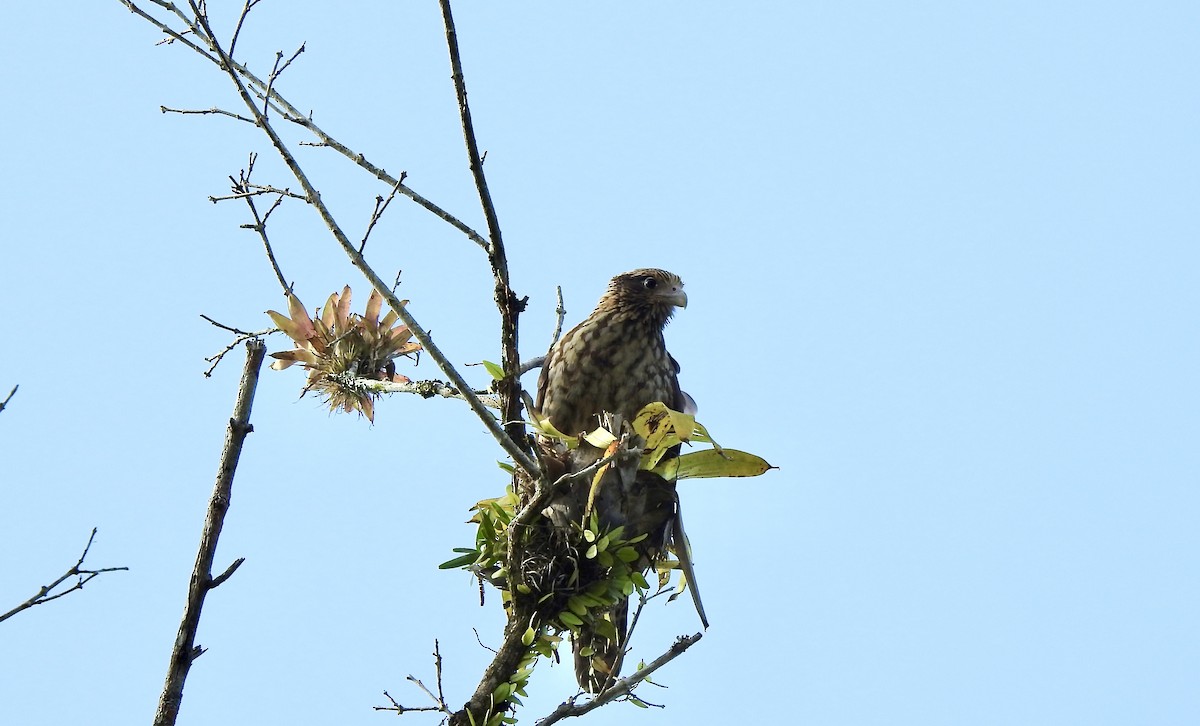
656, 292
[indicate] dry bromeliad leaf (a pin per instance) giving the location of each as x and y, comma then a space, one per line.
339, 347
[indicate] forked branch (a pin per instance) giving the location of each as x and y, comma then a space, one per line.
46, 592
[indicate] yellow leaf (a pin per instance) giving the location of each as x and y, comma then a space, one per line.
652, 423
713, 463
601, 438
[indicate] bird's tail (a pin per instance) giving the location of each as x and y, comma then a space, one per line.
597, 658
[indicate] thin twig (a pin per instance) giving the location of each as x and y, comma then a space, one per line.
275, 73
439, 699
43, 594
476, 632
399, 709
643, 598
206, 112
257, 190
242, 336
624, 686
506, 302
241, 19
506, 441
294, 115
561, 311
437, 665
244, 189
381, 205
185, 650
13, 392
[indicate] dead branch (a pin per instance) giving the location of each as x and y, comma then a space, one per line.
623, 687
205, 112
503, 437
13, 392
381, 206
185, 650
290, 112
44, 593
506, 301
439, 700
242, 336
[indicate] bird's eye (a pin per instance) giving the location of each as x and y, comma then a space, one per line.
649, 283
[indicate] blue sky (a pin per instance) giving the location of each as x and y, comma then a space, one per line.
941, 261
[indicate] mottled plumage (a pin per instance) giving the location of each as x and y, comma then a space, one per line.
615, 361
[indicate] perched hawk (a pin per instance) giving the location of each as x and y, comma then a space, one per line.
615, 361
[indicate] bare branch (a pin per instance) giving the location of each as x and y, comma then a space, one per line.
244, 189
381, 205
185, 650
242, 336
400, 709
561, 311
623, 687
44, 593
291, 113
206, 112
506, 301
13, 392
257, 190
170, 32
241, 19
503, 437
439, 699
233, 566
275, 73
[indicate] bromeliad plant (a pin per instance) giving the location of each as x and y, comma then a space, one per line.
338, 347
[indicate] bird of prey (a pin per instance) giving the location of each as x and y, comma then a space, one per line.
615, 362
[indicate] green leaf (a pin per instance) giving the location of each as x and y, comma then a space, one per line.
606, 629
527, 637
627, 554
569, 618
591, 552
637, 702
713, 463
507, 467
494, 370
463, 561
576, 605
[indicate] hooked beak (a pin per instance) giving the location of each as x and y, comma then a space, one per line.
676, 296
